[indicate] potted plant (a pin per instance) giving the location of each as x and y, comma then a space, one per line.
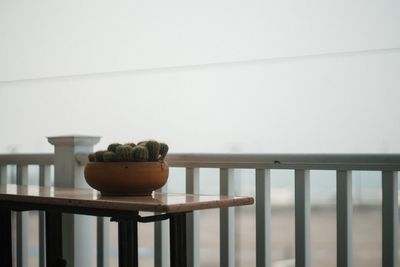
128, 169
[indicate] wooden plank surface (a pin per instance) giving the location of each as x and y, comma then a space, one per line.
87, 198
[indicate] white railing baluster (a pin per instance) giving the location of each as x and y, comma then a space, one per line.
263, 218
161, 240
22, 222
302, 218
103, 241
3, 174
192, 219
344, 218
44, 180
390, 219
44, 175
227, 220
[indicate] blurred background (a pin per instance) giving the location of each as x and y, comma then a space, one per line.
215, 76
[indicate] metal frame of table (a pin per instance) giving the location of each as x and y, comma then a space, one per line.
127, 232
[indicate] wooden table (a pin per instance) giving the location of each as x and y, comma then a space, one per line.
123, 210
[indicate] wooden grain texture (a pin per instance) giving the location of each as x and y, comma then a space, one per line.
157, 202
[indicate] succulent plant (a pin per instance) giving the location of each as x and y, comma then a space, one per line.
91, 157
154, 149
131, 144
149, 150
124, 152
99, 155
109, 156
140, 153
163, 150
142, 143
113, 146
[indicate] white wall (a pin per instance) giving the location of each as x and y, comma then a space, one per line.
315, 76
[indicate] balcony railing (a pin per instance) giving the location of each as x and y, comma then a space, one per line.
71, 155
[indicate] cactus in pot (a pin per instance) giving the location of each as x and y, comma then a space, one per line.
109, 156
124, 152
112, 147
91, 157
163, 150
140, 153
149, 150
99, 155
154, 149
131, 144
142, 143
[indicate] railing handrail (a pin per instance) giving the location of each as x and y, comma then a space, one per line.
246, 161
370, 162
27, 159
289, 161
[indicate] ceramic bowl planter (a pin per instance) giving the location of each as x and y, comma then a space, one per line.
126, 178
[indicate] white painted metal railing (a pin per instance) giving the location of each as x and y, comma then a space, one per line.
23, 162
344, 164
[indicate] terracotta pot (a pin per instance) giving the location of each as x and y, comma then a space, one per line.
126, 178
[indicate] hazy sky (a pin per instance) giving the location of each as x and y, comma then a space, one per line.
339, 104
244, 76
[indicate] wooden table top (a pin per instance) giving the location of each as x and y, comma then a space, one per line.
88, 198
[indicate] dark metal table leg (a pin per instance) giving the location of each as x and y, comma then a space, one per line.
54, 240
127, 242
177, 225
5, 238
